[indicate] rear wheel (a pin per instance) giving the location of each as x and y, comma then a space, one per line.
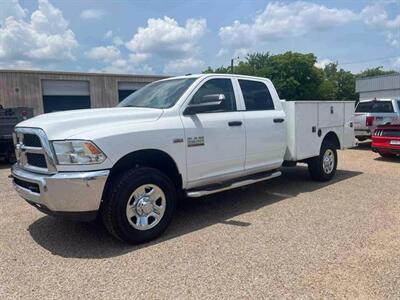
387, 155
140, 205
323, 167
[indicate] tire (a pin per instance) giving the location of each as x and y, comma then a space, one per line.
316, 167
141, 216
387, 155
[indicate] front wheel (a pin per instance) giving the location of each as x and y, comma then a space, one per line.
323, 167
139, 205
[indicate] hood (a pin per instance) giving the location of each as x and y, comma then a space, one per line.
62, 125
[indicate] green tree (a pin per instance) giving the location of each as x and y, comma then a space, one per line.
221, 69
327, 90
346, 83
255, 64
338, 84
375, 72
295, 75
208, 70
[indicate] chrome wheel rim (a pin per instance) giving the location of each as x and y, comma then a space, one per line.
328, 162
146, 207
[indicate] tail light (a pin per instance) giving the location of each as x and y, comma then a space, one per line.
369, 121
24, 115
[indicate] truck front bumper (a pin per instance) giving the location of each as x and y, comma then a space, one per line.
75, 195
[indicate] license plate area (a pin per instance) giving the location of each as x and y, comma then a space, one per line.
395, 142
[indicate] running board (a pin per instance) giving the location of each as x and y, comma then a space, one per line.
219, 187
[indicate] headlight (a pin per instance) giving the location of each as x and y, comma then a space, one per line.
77, 152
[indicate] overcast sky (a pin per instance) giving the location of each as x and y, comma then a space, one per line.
177, 37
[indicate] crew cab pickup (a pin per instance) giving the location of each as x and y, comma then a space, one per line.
371, 113
191, 135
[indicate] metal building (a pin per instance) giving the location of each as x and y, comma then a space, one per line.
379, 87
47, 91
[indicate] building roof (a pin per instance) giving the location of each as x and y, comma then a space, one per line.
81, 73
378, 83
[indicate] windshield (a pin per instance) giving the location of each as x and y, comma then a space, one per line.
375, 106
159, 94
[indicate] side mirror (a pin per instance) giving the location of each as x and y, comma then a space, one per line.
209, 102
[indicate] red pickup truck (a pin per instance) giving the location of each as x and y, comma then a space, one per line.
386, 140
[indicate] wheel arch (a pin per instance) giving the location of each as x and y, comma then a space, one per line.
332, 137
153, 158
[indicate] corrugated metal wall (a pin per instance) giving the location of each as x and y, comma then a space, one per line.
388, 94
24, 88
379, 87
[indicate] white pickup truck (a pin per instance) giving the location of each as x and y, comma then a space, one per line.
369, 114
192, 135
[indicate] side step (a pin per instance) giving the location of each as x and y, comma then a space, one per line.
231, 184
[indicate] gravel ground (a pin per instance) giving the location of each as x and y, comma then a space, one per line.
285, 238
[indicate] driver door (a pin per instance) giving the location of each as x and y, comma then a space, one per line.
215, 139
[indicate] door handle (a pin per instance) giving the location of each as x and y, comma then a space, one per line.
279, 120
235, 123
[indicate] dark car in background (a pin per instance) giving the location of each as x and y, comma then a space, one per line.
9, 117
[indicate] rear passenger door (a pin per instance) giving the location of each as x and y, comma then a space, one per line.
265, 126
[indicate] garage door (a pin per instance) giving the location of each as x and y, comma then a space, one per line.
65, 95
125, 88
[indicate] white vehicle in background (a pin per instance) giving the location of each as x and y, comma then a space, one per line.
193, 135
371, 113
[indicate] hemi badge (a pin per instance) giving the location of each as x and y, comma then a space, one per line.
178, 140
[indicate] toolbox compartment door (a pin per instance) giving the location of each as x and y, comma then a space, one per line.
348, 134
307, 140
330, 114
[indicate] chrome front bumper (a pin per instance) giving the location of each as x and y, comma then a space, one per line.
64, 192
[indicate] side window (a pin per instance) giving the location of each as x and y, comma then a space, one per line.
256, 95
217, 86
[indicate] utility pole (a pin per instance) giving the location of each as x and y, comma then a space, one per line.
232, 61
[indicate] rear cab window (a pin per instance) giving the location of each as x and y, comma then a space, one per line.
375, 107
256, 95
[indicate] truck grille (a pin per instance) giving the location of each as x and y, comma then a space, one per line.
36, 160
32, 140
33, 150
